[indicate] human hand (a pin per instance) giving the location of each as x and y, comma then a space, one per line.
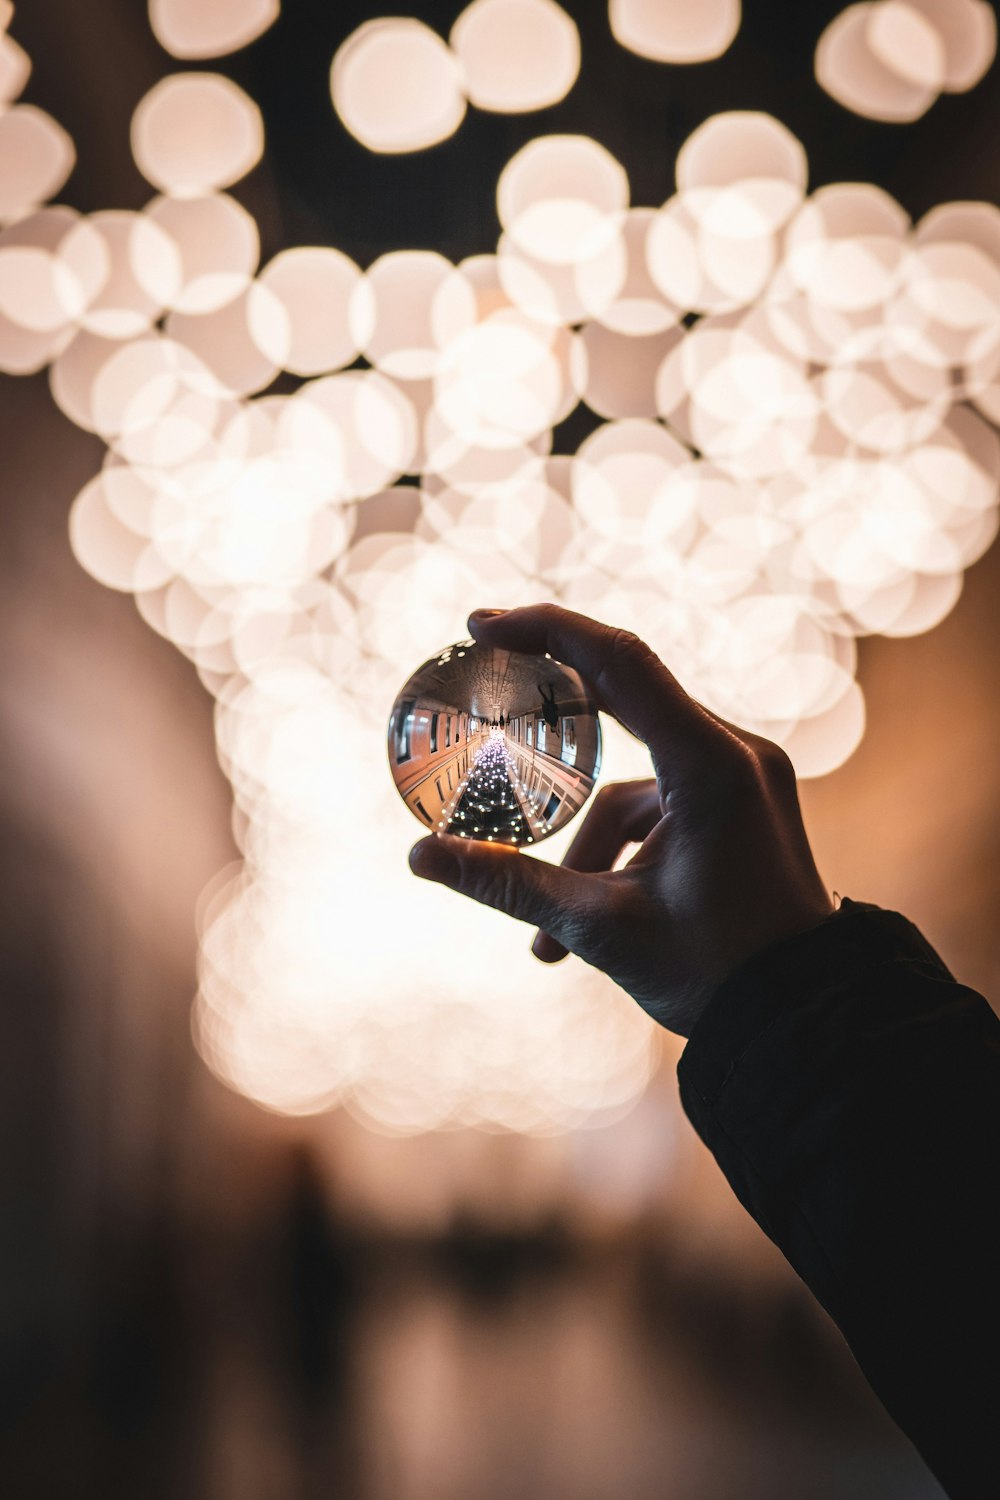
724, 867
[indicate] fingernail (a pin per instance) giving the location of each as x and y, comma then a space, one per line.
431, 861
542, 948
478, 615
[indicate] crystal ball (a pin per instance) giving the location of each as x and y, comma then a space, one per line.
494, 745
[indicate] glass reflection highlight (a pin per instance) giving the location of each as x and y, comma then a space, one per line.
494, 745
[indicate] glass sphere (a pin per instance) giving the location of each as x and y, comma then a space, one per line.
494, 745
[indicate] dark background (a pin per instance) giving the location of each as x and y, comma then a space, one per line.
200, 1299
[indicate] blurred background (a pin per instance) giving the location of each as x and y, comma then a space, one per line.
206, 1294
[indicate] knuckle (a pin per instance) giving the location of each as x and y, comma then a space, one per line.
739, 768
613, 796
502, 889
548, 612
591, 935
509, 883
735, 777
626, 645
777, 763
624, 652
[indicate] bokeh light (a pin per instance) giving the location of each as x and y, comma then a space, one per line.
300, 310
396, 85
194, 133
516, 55
217, 247
210, 28
15, 68
36, 157
562, 198
891, 59
796, 397
674, 31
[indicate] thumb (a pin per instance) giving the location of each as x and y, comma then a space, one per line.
563, 902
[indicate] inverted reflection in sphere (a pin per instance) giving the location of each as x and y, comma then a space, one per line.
494, 745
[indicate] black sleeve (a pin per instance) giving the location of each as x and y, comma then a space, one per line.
849, 1089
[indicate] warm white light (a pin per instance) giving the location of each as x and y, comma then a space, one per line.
410, 304
217, 248
357, 420
562, 198
966, 223
126, 268
225, 341
754, 156
112, 553
516, 55
890, 59
674, 258
210, 28
72, 376
737, 258
622, 370
675, 31
846, 247
36, 293
36, 157
753, 410
619, 476
952, 292
503, 518
564, 293
502, 382
906, 43
876, 413
822, 743
968, 33
634, 304
194, 133
139, 382
15, 69
472, 470
396, 85
300, 310
850, 70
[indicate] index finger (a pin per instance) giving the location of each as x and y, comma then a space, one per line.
626, 675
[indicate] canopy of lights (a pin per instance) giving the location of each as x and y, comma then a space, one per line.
797, 396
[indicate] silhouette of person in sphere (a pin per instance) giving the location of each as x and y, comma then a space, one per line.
549, 711
847, 1084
